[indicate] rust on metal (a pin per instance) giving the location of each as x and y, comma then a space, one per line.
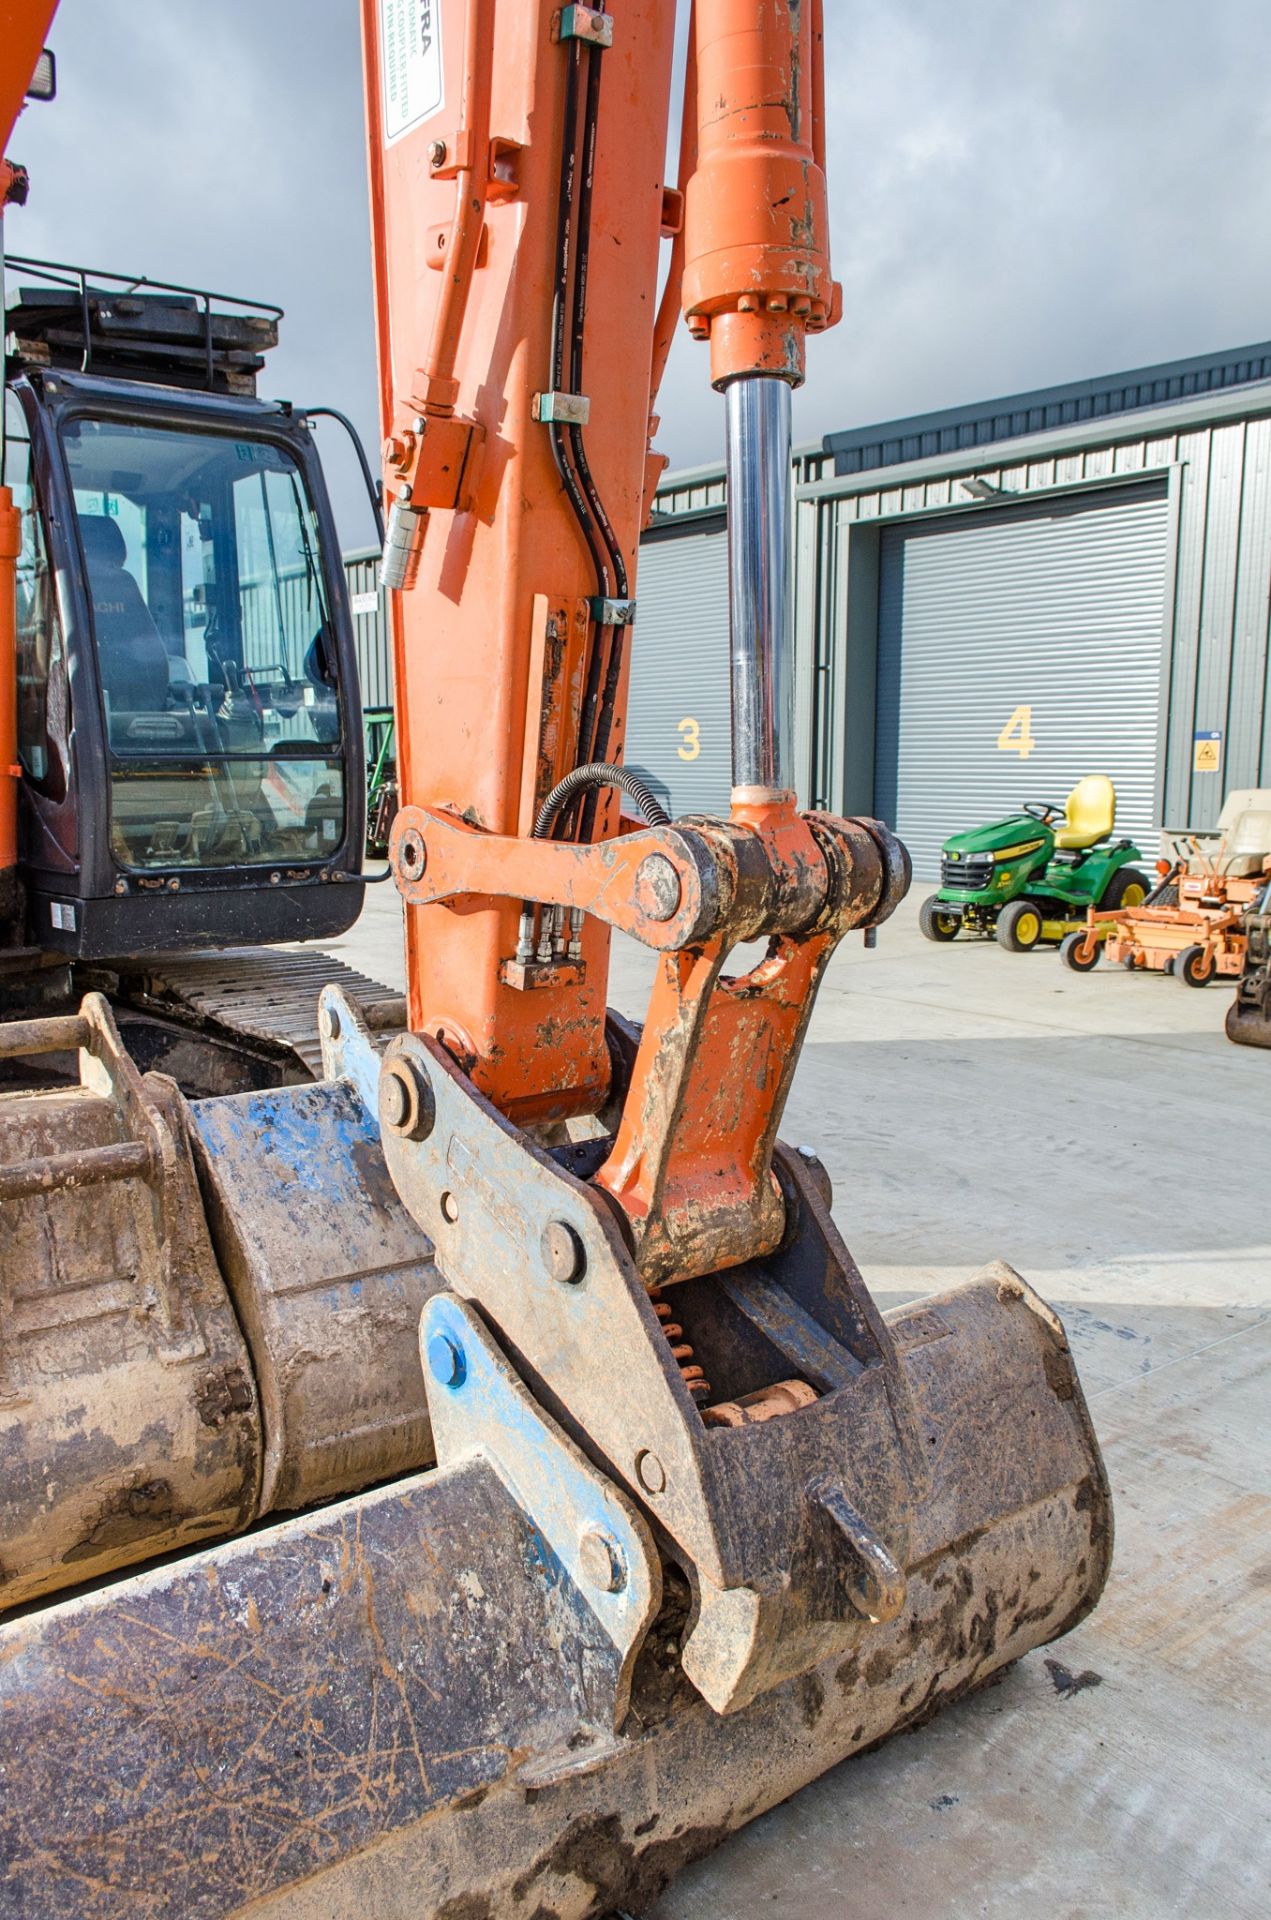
182, 1352
128, 1415
396, 1644
328, 1274
766, 1403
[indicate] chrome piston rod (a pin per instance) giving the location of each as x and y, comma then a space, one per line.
759, 614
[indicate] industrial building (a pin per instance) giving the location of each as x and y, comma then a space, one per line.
990, 602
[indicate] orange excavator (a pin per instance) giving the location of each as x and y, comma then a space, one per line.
490, 1481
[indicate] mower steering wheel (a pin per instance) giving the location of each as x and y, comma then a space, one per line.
1043, 810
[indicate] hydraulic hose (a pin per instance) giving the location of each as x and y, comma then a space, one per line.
587, 180
564, 231
599, 775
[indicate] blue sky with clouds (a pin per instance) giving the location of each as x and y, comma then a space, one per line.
1022, 191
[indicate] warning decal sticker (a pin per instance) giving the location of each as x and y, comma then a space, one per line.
410, 62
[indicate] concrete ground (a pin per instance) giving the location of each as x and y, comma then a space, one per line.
1101, 1135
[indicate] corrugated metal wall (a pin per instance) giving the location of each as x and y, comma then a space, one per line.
678, 733
1213, 454
957, 429
1017, 651
370, 627
1215, 622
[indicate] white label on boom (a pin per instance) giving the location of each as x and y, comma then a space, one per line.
410, 64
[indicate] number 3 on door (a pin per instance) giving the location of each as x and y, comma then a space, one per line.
691, 737
1017, 735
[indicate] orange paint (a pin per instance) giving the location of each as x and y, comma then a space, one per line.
757, 267
474, 703
488, 661
24, 25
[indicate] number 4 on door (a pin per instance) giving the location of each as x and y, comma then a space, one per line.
1017, 735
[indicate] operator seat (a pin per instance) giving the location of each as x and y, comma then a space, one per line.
130, 649
1090, 813
1245, 826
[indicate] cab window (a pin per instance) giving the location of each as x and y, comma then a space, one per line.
216, 658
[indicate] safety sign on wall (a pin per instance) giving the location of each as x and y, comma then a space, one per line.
1206, 752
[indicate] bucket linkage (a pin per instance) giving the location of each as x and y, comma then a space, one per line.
596, 1632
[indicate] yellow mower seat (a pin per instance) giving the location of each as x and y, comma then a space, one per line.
1090, 812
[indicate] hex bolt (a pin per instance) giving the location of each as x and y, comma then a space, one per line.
407, 1105
650, 1472
816, 1168
657, 887
447, 1361
564, 1255
602, 1561
437, 153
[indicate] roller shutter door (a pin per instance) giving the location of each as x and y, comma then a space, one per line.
678, 733
1019, 649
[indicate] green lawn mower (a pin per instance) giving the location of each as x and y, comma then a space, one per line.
1032, 876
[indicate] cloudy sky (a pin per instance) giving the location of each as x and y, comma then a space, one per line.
1022, 191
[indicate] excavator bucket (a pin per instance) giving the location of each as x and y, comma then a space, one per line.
462, 1694
184, 1352
469, 1691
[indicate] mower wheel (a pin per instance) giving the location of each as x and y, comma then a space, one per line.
1194, 966
1127, 888
1073, 951
1019, 926
937, 922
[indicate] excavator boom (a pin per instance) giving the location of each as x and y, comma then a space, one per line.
677, 1519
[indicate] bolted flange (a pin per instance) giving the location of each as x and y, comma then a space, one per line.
657, 887
602, 1561
563, 1253
407, 1105
447, 1361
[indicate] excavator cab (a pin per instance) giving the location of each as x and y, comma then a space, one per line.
188, 720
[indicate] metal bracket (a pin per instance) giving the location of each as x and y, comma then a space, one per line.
613, 613
541, 1254
479, 1406
348, 1051
562, 409
584, 23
